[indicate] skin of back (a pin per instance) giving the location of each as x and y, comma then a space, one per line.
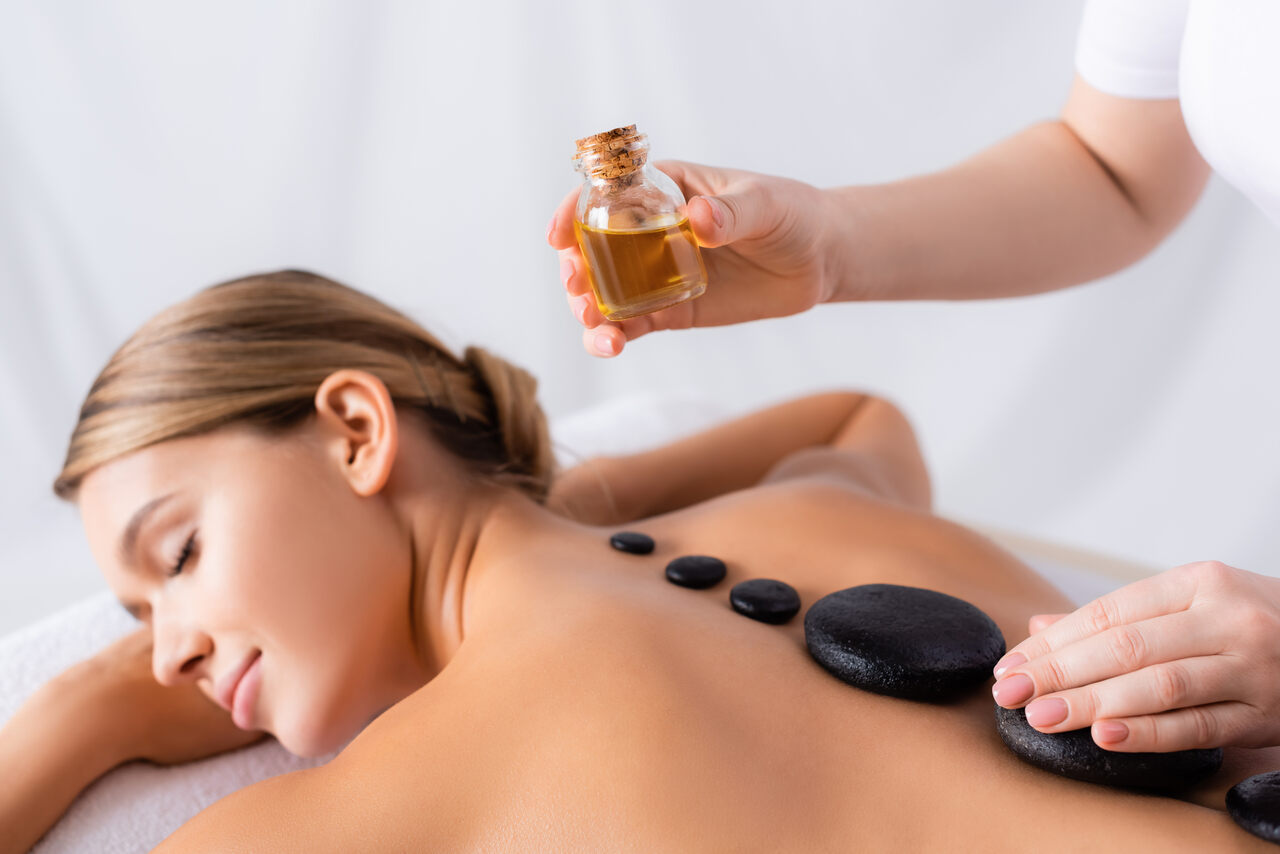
594, 706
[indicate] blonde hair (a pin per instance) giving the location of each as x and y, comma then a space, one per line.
255, 350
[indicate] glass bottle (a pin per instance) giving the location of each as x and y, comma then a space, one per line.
631, 226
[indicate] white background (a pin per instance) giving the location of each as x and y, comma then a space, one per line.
417, 149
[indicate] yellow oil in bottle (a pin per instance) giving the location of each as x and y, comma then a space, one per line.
637, 271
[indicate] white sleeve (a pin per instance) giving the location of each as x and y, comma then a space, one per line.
1130, 48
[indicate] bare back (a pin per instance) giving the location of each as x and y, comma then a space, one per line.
607, 709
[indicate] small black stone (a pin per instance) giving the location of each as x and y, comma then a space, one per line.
632, 542
1074, 754
1255, 805
766, 600
903, 641
696, 571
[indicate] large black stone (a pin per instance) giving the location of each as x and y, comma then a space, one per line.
1074, 754
1255, 805
903, 641
766, 600
632, 542
696, 571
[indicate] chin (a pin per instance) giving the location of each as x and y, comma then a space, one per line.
310, 738
310, 746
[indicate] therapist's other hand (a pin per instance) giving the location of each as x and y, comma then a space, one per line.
1189, 658
763, 241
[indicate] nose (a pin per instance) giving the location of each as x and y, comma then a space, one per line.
180, 651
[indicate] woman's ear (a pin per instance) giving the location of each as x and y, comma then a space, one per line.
357, 419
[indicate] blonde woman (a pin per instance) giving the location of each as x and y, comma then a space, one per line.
341, 533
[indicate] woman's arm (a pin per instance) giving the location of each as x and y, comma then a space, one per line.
48, 755
100, 713
858, 437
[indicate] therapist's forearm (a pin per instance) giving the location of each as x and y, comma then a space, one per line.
1060, 203
1033, 213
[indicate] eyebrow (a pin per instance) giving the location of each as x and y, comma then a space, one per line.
129, 539
129, 543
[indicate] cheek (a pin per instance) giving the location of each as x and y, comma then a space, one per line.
304, 552
319, 578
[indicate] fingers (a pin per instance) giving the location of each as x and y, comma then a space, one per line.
573, 272
605, 341
1162, 687
584, 308
1212, 725
1116, 651
1040, 622
599, 338
560, 229
743, 215
707, 219
610, 337
1165, 593
697, 179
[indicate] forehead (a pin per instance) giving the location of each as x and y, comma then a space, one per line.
110, 495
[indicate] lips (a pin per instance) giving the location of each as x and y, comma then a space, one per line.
230, 688
245, 696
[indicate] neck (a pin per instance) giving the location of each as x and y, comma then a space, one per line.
456, 549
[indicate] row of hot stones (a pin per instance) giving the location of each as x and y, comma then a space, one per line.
923, 645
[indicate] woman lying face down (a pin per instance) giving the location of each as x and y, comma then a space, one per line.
346, 535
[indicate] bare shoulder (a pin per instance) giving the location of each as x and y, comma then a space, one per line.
448, 768
294, 812
354, 803
876, 454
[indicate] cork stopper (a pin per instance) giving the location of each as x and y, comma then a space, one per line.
613, 155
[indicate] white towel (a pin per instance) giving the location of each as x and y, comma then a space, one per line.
136, 806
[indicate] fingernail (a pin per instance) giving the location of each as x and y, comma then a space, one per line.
1047, 711
604, 345
1012, 691
566, 269
716, 213
1109, 732
551, 228
1013, 659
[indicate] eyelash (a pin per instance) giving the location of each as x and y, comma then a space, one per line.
184, 557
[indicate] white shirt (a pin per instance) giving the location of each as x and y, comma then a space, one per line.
1220, 58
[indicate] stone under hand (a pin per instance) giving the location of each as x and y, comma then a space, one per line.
1074, 754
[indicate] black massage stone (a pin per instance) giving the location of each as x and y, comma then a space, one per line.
766, 600
1074, 754
1255, 805
903, 641
696, 571
632, 542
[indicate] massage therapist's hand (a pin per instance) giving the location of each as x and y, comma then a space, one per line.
116, 694
1189, 658
763, 242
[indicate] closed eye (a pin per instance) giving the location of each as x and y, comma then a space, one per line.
185, 556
